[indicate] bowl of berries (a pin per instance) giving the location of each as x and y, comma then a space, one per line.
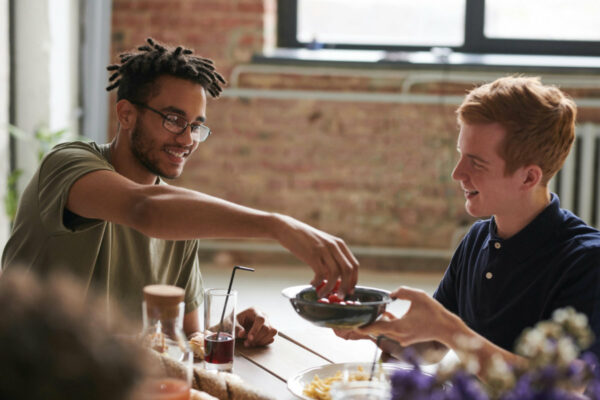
333, 311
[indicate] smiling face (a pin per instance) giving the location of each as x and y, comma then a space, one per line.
480, 171
158, 150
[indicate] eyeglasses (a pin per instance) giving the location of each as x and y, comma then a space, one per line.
177, 124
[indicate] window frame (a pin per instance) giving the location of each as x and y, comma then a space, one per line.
474, 41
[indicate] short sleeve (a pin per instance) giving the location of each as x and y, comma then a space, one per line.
58, 171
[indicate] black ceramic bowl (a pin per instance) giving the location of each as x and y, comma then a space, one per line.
373, 303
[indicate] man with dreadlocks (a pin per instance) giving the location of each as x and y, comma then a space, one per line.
104, 212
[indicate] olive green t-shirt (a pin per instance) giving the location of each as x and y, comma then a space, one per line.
112, 259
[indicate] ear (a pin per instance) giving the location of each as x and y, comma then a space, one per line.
126, 114
531, 176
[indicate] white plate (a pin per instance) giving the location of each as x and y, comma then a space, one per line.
297, 383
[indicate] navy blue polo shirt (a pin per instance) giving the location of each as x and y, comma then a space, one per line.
499, 287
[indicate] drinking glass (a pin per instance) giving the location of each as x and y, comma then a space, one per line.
219, 329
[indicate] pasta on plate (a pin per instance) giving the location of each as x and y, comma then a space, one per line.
319, 388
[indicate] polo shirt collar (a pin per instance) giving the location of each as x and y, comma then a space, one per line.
531, 238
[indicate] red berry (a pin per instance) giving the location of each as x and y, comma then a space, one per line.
334, 298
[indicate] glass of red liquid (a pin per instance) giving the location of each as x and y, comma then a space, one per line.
219, 331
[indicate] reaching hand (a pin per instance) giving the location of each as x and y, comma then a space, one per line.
254, 327
387, 345
357, 334
351, 334
425, 320
327, 255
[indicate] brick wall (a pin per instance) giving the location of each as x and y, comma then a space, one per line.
376, 173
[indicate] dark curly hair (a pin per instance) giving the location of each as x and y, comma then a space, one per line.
138, 71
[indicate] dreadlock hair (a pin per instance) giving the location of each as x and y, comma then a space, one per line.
137, 72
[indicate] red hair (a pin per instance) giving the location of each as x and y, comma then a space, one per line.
539, 121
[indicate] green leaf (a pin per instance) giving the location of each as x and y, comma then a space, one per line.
18, 133
45, 140
11, 197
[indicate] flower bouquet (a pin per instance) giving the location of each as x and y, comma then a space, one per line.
555, 369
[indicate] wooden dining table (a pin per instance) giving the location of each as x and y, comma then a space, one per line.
270, 367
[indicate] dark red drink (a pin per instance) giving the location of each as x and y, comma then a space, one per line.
218, 351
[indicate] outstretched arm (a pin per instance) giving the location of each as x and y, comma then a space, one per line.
174, 213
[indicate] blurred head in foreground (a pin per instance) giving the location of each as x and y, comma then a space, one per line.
55, 344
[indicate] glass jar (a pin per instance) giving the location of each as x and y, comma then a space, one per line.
163, 311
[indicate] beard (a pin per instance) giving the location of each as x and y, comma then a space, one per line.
141, 148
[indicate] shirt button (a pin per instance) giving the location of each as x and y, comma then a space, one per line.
489, 275
497, 245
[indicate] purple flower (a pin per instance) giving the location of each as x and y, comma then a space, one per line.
465, 387
548, 376
592, 361
411, 356
593, 390
539, 385
411, 384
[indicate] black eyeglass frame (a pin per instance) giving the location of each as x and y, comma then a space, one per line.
199, 132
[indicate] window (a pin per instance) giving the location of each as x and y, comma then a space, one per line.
542, 20
423, 22
559, 27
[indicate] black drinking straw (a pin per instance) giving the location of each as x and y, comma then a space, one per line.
227, 297
375, 357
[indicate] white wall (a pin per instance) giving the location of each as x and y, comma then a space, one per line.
46, 72
4, 137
